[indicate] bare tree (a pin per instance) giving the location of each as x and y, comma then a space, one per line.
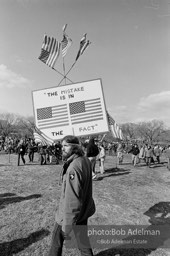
14, 124
129, 131
150, 131
7, 122
25, 126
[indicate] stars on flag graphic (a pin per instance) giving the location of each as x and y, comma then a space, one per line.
51, 117
73, 113
86, 111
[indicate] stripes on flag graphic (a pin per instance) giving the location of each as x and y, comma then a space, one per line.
114, 128
51, 117
86, 111
50, 51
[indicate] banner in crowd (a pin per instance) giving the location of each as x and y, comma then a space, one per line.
114, 128
41, 138
76, 109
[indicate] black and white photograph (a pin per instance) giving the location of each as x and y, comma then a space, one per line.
85, 128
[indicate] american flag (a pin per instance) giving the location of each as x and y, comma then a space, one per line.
83, 45
51, 117
64, 28
40, 137
86, 111
65, 43
114, 128
50, 51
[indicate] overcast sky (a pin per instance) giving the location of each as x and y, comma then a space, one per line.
129, 52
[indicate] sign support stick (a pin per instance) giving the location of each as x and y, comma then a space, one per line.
64, 70
62, 75
9, 157
67, 73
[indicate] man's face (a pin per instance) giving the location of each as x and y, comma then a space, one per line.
66, 149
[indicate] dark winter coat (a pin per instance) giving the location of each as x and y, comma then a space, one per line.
135, 151
76, 201
92, 149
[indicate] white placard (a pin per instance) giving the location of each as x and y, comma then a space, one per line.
75, 109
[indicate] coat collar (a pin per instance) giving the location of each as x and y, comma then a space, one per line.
66, 165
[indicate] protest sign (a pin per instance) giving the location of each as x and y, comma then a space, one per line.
75, 109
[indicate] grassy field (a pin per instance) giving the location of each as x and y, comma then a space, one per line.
124, 195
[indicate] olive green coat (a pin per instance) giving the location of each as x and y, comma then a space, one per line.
76, 201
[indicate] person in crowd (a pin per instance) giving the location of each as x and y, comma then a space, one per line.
58, 151
76, 203
167, 155
135, 152
120, 152
142, 155
114, 147
157, 152
49, 153
92, 151
10, 146
102, 155
42, 153
30, 150
110, 148
21, 149
149, 155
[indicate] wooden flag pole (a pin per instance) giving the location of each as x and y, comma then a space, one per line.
62, 75
9, 157
64, 53
67, 73
64, 70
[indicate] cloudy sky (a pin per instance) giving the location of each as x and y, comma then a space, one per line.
129, 52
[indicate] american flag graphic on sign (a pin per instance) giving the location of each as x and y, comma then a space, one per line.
44, 113
51, 117
86, 111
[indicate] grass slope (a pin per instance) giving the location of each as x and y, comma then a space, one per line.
124, 195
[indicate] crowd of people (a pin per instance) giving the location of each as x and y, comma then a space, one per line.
143, 153
95, 150
27, 146
79, 158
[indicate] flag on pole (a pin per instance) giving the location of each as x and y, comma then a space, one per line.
50, 51
64, 28
104, 135
65, 44
114, 128
83, 46
40, 137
